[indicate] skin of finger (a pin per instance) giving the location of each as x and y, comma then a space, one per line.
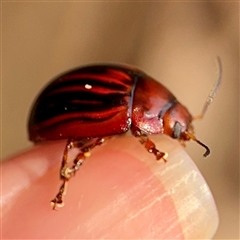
114, 195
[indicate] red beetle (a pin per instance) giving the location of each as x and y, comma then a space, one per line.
89, 104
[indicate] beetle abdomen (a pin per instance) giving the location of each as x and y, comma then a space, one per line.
87, 102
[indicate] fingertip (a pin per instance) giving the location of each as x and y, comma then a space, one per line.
121, 191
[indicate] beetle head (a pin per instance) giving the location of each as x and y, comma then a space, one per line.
177, 123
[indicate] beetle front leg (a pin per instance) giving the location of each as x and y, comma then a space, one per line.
148, 144
67, 172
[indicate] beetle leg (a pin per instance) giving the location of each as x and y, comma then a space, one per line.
58, 200
149, 145
67, 172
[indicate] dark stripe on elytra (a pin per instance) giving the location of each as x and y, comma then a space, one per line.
82, 82
94, 90
68, 103
82, 118
69, 97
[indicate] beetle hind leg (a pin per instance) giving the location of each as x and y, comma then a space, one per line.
149, 145
66, 172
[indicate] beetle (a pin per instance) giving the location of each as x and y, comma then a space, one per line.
89, 104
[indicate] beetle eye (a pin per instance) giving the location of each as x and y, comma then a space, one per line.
177, 129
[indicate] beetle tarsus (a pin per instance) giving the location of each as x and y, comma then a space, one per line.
67, 172
159, 155
58, 200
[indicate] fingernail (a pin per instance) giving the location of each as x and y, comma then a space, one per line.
193, 201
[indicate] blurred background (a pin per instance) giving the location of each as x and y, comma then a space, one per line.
174, 42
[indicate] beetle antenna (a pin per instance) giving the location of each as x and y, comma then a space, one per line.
213, 91
203, 145
191, 136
